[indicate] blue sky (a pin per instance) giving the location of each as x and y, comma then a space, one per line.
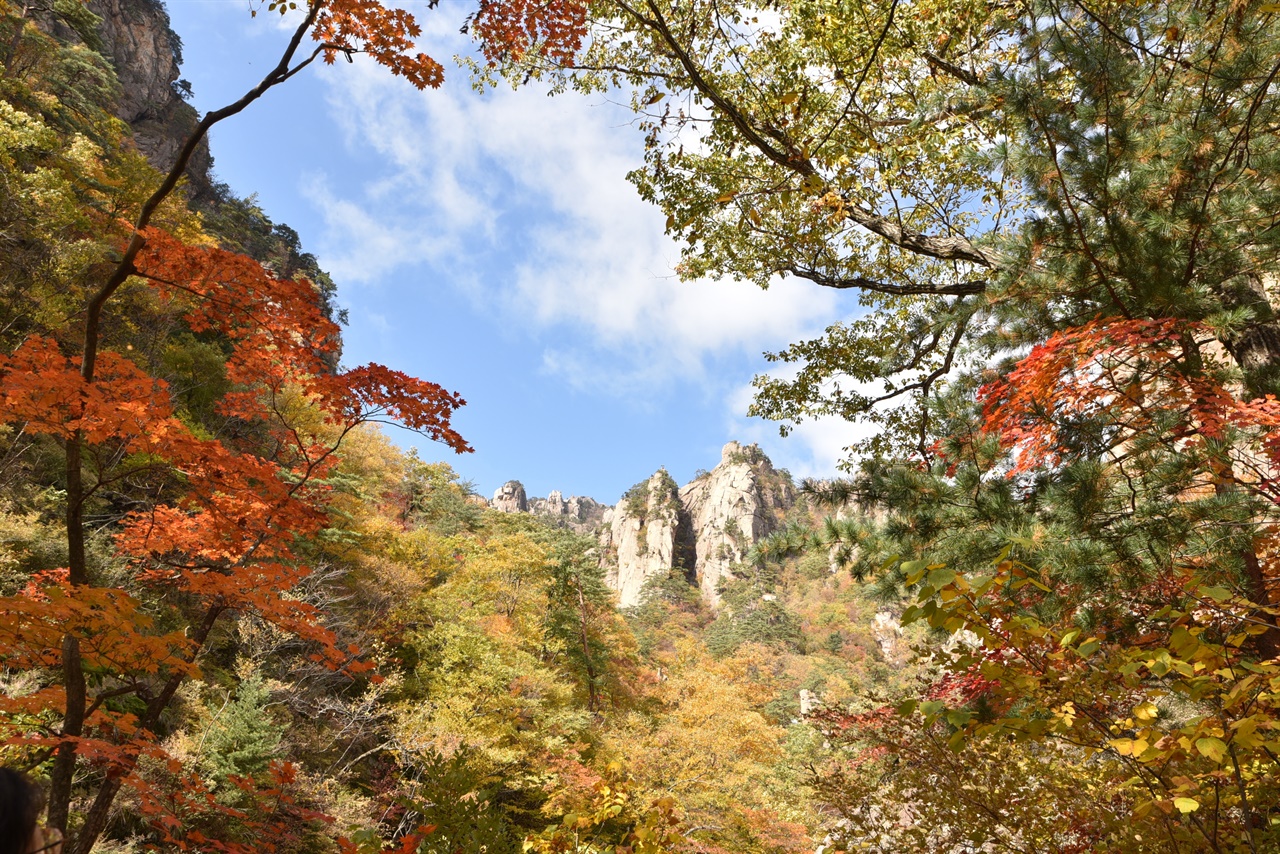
490, 242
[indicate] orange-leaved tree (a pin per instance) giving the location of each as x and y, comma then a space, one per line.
215, 522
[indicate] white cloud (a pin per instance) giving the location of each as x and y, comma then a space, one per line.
511, 173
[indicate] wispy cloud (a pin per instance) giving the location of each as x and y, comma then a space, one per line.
464, 179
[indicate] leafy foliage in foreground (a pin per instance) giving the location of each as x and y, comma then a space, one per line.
1060, 219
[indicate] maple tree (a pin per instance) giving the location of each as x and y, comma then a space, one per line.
217, 523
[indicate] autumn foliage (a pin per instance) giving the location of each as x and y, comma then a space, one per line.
222, 540
213, 520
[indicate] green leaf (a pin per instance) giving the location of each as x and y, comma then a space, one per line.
1217, 594
941, 577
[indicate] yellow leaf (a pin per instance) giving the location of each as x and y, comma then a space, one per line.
1186, 805
1212, 748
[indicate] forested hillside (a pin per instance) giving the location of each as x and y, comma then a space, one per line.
1038, 615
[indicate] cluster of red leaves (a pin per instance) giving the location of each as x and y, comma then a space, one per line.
388, 35
1141, 378
224, 536
280, 336
228, 539
506, 30
271, 820
510, 29
774, 833
961, 688
1100, 369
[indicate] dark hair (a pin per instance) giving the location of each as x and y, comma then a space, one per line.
20, 805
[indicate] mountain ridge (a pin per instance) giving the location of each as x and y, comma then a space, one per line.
702, 528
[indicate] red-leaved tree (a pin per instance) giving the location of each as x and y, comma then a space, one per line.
219, 534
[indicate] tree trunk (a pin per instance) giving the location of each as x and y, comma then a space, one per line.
1256, 347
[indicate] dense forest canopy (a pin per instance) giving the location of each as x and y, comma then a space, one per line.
1040, 613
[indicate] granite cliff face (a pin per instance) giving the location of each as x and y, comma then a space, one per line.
730, 509
510, 498
642, 536
706, 527
701, 529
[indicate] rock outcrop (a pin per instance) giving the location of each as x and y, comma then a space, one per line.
640, 538
577, 513
510, 498
730, 509
135, 37
704, 529
701, 529
146, 53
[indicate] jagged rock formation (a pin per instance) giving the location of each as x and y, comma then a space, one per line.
702, 528
640, 539
576, 513
718, 517
730, 509
510, 498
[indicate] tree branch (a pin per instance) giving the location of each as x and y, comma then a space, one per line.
758, 134
863, 283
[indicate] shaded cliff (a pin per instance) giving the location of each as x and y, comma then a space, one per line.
146, 53
135, 38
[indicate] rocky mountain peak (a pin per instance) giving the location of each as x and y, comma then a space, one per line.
702, 528
510, 498
730, 509
577, 513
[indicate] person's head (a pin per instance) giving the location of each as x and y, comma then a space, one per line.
20, 805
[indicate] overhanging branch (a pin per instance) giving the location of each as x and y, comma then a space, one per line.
863, 283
